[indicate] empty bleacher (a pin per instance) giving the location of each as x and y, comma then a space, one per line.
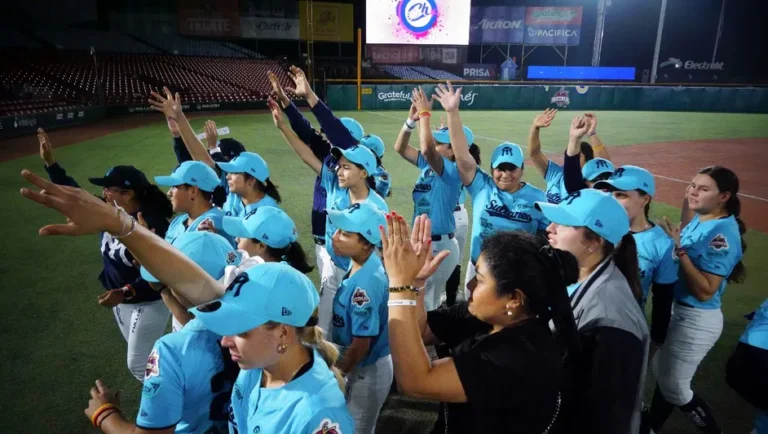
435, 73
102, 41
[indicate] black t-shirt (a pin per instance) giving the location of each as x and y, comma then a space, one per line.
512, 378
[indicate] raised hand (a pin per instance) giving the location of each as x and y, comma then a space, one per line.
174, 127
543, 120
421, 237
409, 261
579, 127
169, 105
413, 113
448, 97
211, 135
277, 114
277, 89
302, 88
672, 230
46, 152
85, 213
421, 101
592, 119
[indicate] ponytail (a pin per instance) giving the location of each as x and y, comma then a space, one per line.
217, 197
474, 151
728, 182
152, 199
558, 304
312, 337
370, 181
625, 258
293, 254
270, 190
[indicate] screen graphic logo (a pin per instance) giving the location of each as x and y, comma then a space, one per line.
418, 16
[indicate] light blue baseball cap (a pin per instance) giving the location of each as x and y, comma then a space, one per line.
273, 291
596, 167
359, 155
590, 208
210, 251
194, 173
268, 224
442, 136
354, 128
374, 143
362, 218
627, 178
507, 153
247, 162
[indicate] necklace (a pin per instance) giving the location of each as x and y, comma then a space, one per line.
264, 377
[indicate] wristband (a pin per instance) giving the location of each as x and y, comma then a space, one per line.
100, 410
406, 288
680, 252
107, 413
424, 113
410, 124
129, 292
592, 134
401, 303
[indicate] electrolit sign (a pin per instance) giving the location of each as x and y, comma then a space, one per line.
418, 16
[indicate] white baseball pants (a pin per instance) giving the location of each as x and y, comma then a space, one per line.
462, 229
331, 276
692, 333
367, 389
142, 324
435, 286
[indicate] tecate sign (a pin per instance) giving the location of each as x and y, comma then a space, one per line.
486, 24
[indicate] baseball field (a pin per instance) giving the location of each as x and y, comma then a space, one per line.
56, 340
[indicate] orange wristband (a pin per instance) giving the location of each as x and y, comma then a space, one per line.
100, 410
104, 415
425, 112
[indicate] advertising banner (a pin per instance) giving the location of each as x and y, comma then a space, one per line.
496, 25
423, 22
206, 18
330, 22
269, 28
479, 71
552, 25
390, 54
11, 126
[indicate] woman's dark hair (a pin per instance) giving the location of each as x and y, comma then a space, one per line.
378, 160
647, 208
624, 256
267, 187
728, 182
474, 151
154, 200
517, 260
293, 254
217, 197
586, 149
370, 180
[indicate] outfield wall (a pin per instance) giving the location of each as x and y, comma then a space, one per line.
537, 97
12, 126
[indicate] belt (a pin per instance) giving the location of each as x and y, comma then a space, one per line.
458, 208
684, 304
437, 238
320, 241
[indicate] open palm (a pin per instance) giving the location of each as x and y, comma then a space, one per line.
300, 80
448, 97
169, 105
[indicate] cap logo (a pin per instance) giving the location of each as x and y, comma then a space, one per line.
127, 182
571, 197
507, 150
618, 173
598, 223
194, 179
366, 137
109, 171
231, 257
602, 163
286, 312
238, 283
265, 237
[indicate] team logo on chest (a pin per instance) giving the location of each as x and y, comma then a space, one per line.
497, 209
360, 297
327, 426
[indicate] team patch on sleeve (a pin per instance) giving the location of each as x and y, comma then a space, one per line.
327, 427
207, 225
718, 242
360, 297
153, 365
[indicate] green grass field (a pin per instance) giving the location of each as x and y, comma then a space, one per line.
56, 340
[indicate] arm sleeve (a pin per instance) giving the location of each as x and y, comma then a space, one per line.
554, 172
162, 396
336, 132
366, 318
608, 403
59, 176
454, 325
328, 177
141, 286
331, 420
421, 162
543, 221
666, 272
481, 181
661, 313
719, 256
181, 151
299, 123
572, 173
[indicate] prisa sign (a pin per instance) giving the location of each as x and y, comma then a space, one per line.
479, 71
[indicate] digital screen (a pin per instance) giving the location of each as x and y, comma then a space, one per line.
580, 73
423, 22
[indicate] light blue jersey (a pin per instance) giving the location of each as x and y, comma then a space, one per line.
655, 255
360, 310
234, 206
310, 404
756, 333
338, 199
213, 217
462, 196
714, 247
494, 210
437, 195
556, 191
185, 384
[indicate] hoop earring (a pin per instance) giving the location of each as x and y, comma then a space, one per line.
281, 348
